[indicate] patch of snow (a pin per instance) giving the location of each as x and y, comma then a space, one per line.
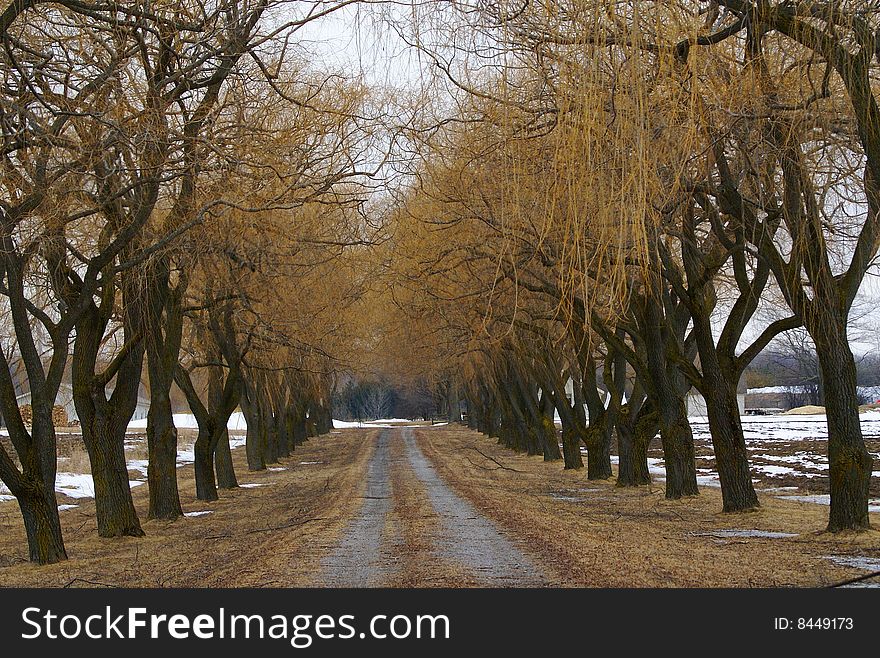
748, 533
855, 561
310, 463
199, 513
188, 421
275, 469
567, 499
709, 480
139, 465
5, 497
62, 508
816, 499
75, 485
825, 499
252, 485
774, 470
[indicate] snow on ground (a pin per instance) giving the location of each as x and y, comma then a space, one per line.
870, 392
382, 422
786, 428
188, 421
80, 485
764, 534
866, 563
199, 513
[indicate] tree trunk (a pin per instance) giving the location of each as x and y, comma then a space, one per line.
300, 431
453, 409
675, 431
206, 484
626, 476
731, 457
550, 437
572, 429
677, 440
42, 525
162, 466
268, 432
849, 462
597, 440
114, 507
223, 461
253, 442
163, 322
646, 428
597, 437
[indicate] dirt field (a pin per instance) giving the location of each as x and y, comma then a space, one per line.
423, 507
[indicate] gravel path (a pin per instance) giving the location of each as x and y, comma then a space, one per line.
366, 555
469, 538
362, 559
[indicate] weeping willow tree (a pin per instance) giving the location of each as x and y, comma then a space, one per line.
626, 162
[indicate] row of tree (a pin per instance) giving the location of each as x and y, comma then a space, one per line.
617, 191
182, 193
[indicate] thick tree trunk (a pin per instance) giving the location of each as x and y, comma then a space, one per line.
206, 484
677, 440
253, 441
300, 431
271, 440
719, 383
598, 442
163, 322
646, 428
549, 436
284, 419
675, 431
572, 430
453, 410
162, 466
731, 457
626, 476
597, 437
42, 525
849, 462
114, 507
223, 461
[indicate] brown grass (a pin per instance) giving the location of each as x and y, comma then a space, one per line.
614, 537
581, 533
271, 536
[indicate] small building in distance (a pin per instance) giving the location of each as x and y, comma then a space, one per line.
696, 404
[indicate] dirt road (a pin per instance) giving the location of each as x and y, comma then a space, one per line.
441, 507
372, 551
